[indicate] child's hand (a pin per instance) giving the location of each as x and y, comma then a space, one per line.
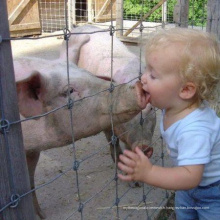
135, 164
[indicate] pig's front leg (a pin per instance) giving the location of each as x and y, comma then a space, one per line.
108, 134
32, 160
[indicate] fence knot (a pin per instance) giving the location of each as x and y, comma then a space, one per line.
4, 126
114, 139
112, 87
76, 165
144, 198
81, 206
112, 30
141, 28
70, 103
116, 177
141, 121
15, 198
117, 201
67, 33
140, 74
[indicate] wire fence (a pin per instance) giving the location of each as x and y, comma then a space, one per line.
98, 12
126, 201
77, 162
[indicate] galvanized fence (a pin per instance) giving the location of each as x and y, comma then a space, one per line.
126, 202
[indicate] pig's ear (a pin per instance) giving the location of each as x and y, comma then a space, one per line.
29, 92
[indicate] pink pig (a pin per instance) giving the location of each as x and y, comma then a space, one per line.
95, 57
42, 86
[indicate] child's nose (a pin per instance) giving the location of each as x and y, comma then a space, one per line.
144, 78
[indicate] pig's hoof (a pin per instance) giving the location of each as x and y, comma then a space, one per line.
135, 184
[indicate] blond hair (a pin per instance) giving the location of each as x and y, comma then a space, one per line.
200, 57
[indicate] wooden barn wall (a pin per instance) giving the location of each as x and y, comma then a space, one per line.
24, 18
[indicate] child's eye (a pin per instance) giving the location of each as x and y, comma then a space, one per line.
152, 76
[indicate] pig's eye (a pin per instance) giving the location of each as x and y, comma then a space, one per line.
65, 93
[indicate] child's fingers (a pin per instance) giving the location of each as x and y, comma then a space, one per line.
125, 168
143, 157
125, 178
127, 161
139, 152
148, 151
131, 155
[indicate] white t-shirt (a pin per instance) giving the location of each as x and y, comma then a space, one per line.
195, 140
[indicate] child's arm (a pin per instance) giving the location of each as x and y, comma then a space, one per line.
139, 168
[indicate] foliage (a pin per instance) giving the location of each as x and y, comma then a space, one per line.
136, 8
198, 12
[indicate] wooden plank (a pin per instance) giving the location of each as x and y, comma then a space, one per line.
17, 11
144, 17
104, 7
132, 40
23, 12
106, 14
14, 177
27, 32
20, 27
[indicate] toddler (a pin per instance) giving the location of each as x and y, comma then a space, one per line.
182, 73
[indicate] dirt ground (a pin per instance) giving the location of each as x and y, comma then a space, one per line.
59, 199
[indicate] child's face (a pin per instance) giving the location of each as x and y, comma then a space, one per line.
161, 79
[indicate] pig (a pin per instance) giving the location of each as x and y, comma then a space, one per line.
42, 86
95, 57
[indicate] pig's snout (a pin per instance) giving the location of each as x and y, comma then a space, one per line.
142, 96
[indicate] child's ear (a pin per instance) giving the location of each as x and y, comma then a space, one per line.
188, 90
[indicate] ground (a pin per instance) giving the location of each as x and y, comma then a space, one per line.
59, 198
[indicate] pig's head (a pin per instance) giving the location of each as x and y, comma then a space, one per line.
40, 91
128, 71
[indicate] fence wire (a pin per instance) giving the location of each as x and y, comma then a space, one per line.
119, 193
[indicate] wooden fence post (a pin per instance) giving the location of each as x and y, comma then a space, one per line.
14, 180
164, 13
90, 5
119, 18
213, 26
181, 13
213, 17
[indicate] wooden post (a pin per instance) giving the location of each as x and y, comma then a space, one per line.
181, 13
14, 179
71, 14
119, 18
213, 17
213, 26
164, 13
90, 11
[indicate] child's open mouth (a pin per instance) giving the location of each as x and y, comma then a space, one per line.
147, 95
